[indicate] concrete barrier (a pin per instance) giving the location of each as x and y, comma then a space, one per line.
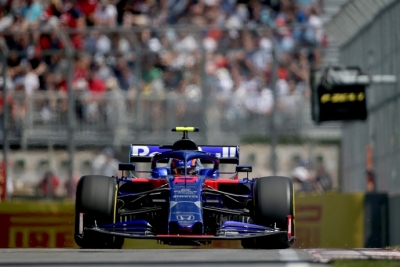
394, 219
329, 220
36, 225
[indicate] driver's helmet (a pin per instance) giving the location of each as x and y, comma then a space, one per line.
178, 166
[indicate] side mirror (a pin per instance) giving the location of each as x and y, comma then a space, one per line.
244, 168
126, 167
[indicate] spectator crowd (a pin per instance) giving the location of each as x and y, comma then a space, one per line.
233, 52
160, 48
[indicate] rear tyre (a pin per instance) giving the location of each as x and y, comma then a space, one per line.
273, 202
96, 201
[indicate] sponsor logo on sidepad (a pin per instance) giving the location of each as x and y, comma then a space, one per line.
186, 193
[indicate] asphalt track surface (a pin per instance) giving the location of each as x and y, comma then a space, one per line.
157, 257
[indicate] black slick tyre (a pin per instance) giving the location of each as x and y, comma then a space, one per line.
272, 202
95, 204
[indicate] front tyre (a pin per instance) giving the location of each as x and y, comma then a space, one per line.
95, 204
272, 201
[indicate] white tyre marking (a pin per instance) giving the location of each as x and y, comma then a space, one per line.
80, 223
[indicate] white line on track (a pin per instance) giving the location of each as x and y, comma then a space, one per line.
291, 256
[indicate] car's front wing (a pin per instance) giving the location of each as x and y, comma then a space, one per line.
230, 230
150, 235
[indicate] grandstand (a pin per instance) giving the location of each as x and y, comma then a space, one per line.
112, 72
195, 60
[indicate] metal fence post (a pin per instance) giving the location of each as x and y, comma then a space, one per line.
4, 53
71, 111
205, 90
273, 128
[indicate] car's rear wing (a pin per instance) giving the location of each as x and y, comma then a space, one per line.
144, 153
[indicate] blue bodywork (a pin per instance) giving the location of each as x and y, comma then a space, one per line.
189, 208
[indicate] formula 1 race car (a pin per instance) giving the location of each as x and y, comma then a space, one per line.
184, 199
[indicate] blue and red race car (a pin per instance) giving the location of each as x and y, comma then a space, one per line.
184, 199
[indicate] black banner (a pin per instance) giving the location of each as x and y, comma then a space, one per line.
337, 102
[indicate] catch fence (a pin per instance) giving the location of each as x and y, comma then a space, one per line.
165, 77
116, 86
373, 145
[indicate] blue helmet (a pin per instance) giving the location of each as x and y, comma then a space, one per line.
178, 166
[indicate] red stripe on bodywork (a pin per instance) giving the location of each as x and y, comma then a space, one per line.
214, 183
185, 236
156, 183
141, 180
182, 179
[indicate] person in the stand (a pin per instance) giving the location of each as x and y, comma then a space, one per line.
110, 165
48, 185
323, 179
302, 177
178, 166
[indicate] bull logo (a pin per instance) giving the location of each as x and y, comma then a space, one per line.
185, 217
